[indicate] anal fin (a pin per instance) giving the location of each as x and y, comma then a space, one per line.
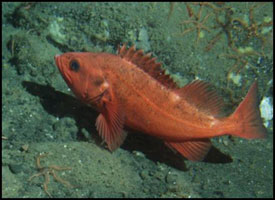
194, 150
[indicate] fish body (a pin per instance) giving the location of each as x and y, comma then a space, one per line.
130, 89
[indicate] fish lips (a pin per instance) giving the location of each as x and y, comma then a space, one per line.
57, 61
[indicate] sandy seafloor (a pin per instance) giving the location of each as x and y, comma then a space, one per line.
40, 114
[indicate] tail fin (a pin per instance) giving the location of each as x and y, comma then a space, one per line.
247, 116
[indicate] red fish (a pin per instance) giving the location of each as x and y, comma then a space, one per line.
131, 89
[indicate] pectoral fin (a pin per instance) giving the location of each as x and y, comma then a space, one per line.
110, 122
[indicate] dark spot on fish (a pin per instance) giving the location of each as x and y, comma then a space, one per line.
98, 81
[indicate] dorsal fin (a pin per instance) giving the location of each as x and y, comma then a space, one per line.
147, 64
203, 96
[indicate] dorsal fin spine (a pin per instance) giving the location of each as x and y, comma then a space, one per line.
130, 53
147, 64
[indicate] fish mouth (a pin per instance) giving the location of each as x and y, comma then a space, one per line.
59, 64
57, 61
95, 98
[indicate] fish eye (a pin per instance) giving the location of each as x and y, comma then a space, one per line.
74, 65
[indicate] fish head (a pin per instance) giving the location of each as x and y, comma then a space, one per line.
83, 75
